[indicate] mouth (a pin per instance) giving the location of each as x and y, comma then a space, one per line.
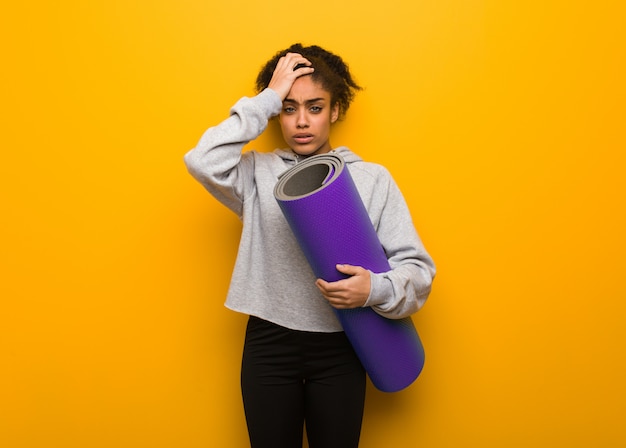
303, 139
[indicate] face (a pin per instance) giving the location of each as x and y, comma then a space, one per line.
306, 117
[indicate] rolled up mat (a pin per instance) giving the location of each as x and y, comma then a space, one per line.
328, 218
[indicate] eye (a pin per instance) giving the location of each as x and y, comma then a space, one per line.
289, 109
316, 109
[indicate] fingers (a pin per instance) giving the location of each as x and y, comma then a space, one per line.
293, 61
289, 68
352, 292
349, 269
335, 294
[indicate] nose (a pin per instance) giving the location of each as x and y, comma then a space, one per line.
301, 120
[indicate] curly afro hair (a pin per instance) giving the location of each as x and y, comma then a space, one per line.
330, 71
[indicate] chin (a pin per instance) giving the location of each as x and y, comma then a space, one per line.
308, 151
305, 151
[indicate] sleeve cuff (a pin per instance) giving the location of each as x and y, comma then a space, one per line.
270, 101
379, 290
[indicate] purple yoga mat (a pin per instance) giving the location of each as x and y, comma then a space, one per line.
326, 214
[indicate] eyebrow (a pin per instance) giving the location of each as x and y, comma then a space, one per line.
311, 101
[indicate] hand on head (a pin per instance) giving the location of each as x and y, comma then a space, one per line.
289, 68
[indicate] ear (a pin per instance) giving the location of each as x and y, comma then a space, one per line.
334, 113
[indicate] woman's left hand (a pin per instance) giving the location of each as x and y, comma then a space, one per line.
351, 292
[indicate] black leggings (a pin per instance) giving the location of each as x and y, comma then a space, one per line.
290, 378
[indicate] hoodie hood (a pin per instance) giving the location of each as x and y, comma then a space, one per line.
343, 151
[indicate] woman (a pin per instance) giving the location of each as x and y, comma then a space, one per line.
298, 368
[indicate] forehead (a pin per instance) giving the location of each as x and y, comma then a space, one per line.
306, 89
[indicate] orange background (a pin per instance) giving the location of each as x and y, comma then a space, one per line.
503, 123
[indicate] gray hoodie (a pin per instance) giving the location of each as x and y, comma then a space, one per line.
272, 279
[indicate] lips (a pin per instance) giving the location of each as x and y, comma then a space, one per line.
303, 139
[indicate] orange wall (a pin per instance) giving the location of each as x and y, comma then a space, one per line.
503, 122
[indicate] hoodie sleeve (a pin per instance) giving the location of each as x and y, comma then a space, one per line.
403, 290
216, 161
